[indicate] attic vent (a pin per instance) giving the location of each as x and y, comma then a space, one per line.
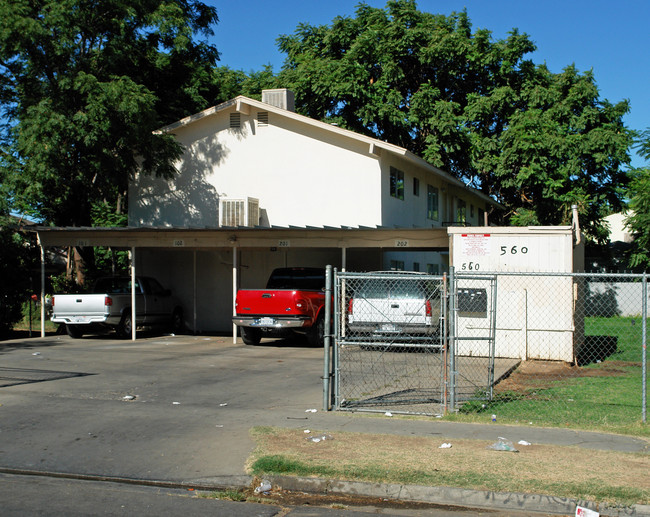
235, 120
262, 118
239, 212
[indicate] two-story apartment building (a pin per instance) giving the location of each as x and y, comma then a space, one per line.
260, 186
252, 163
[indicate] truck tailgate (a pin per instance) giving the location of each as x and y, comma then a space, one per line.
267, 302
79, 308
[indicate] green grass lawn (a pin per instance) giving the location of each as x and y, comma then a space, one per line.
605, 394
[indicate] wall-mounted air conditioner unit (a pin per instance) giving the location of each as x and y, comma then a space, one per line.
239, 212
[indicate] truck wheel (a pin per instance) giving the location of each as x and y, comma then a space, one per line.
124, 328
178, 323
316, 335
251, 336
74, 331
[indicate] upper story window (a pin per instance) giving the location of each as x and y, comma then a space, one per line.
461, 211
396, 183
432, 203
416, 187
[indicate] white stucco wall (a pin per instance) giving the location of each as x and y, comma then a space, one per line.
302, 175
618, 230
412, 210
303, 180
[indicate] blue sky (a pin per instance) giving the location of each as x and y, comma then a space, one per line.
612, 38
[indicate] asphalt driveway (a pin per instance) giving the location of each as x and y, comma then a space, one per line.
64, 407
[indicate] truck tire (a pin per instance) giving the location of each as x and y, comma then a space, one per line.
178, 323
316, 334
251, 336
124, 328
74, 331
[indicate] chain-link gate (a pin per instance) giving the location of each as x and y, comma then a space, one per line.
390, 346
472, 318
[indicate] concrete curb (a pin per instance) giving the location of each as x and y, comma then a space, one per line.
450, 496
454, 496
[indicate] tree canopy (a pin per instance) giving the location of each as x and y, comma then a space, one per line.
638, 220
536, 141
83, 84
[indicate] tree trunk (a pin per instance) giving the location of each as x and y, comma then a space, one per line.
80, 267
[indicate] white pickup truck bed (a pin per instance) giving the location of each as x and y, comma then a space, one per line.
110, 305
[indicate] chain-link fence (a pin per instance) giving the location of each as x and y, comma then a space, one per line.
551, 347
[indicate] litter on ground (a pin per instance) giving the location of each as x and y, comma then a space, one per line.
264, 487
503, 444
319, 438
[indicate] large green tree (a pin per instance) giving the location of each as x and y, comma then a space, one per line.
638, 220
536, 141
84, 83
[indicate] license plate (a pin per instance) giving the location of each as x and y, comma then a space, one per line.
389, 327
267, 321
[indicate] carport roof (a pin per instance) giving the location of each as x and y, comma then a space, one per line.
241, 237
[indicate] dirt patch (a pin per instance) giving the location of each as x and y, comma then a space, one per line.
542, 374
287, 498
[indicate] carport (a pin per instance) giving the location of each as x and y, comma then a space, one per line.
235, 240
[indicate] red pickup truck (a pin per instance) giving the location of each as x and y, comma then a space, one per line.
293, 302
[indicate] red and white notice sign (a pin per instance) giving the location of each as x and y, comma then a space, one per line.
475, 244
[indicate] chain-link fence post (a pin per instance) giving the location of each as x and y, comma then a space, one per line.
451, 309
327, 332
445, 343
334, 371
644, 330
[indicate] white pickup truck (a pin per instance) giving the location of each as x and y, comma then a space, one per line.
110, 306
400, 307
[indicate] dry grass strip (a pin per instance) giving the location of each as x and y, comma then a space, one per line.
554, 470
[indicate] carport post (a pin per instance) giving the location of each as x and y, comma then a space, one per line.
133, 324
40, 244
234, 292
327, 338
194, 293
